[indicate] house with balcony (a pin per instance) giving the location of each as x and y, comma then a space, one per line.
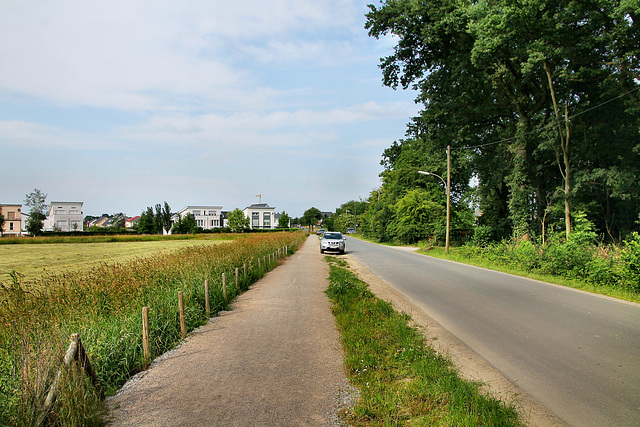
207, 217
261, 216
64, 216
12, 215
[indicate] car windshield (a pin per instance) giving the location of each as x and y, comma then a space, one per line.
333, 236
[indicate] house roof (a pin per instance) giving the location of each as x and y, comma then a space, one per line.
135, 218
259, 206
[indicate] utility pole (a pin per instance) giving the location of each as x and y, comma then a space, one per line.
448, 196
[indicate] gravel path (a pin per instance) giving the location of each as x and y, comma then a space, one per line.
274, 359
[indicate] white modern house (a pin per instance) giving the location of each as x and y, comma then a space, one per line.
64, 216
207, 217
261, 216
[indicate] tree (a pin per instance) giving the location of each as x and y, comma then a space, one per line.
185, 225
529, 85
284, 220
146, 224
36, 201
166, 217
237, 221
311, 216
1, 223
157, 219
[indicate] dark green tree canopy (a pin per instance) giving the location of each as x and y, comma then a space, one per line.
538, 100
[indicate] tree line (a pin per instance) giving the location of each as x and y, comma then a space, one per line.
539, 102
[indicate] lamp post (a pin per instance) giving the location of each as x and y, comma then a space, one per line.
447, 185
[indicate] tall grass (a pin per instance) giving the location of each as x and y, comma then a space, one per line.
104, 306
609, 270
401, 380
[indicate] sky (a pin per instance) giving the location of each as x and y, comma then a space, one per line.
124, 104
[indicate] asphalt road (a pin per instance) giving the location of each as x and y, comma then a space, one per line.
578, 354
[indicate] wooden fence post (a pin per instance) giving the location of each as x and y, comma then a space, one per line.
146, 345
237, 286
74, 352
183, 326
207, 303
224, 286
244, 267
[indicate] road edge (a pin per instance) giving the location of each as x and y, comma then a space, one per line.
471, 366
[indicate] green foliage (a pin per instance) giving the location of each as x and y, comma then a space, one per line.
147, 224
311, 216
185, 225
485, 73
577, 258
237, 221
416, 216
284, 220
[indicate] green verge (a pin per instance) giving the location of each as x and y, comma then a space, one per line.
600, 289
400, 378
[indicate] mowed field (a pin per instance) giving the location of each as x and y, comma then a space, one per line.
33, 260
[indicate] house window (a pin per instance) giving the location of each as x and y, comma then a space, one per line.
255, 219
59, 212
200, 222
61, 225
11, 215
212, 213
10, 226
266, 219
74, 212
194, 213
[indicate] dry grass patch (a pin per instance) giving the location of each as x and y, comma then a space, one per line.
33, 261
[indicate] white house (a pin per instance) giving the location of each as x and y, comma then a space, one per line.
261, 215
64, 216
207, 217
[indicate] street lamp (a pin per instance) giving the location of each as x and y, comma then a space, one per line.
447, 185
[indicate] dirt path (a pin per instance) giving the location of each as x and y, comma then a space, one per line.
274, 359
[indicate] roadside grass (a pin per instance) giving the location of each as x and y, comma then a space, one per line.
32, 261
606, 290
400, 378
103, 305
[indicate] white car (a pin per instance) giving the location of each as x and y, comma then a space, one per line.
332, 241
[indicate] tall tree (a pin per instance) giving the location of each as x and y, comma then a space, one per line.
166, 217
36, 201
1, 224
493, 74
146, 224
284, 220
311, 216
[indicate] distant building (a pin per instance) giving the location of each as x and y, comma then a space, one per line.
130, 222
261, 216
64, 216
12, 220
207, 217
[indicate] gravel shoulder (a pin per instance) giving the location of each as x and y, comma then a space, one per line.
274, 359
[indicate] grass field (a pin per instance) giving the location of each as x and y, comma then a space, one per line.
32, 261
